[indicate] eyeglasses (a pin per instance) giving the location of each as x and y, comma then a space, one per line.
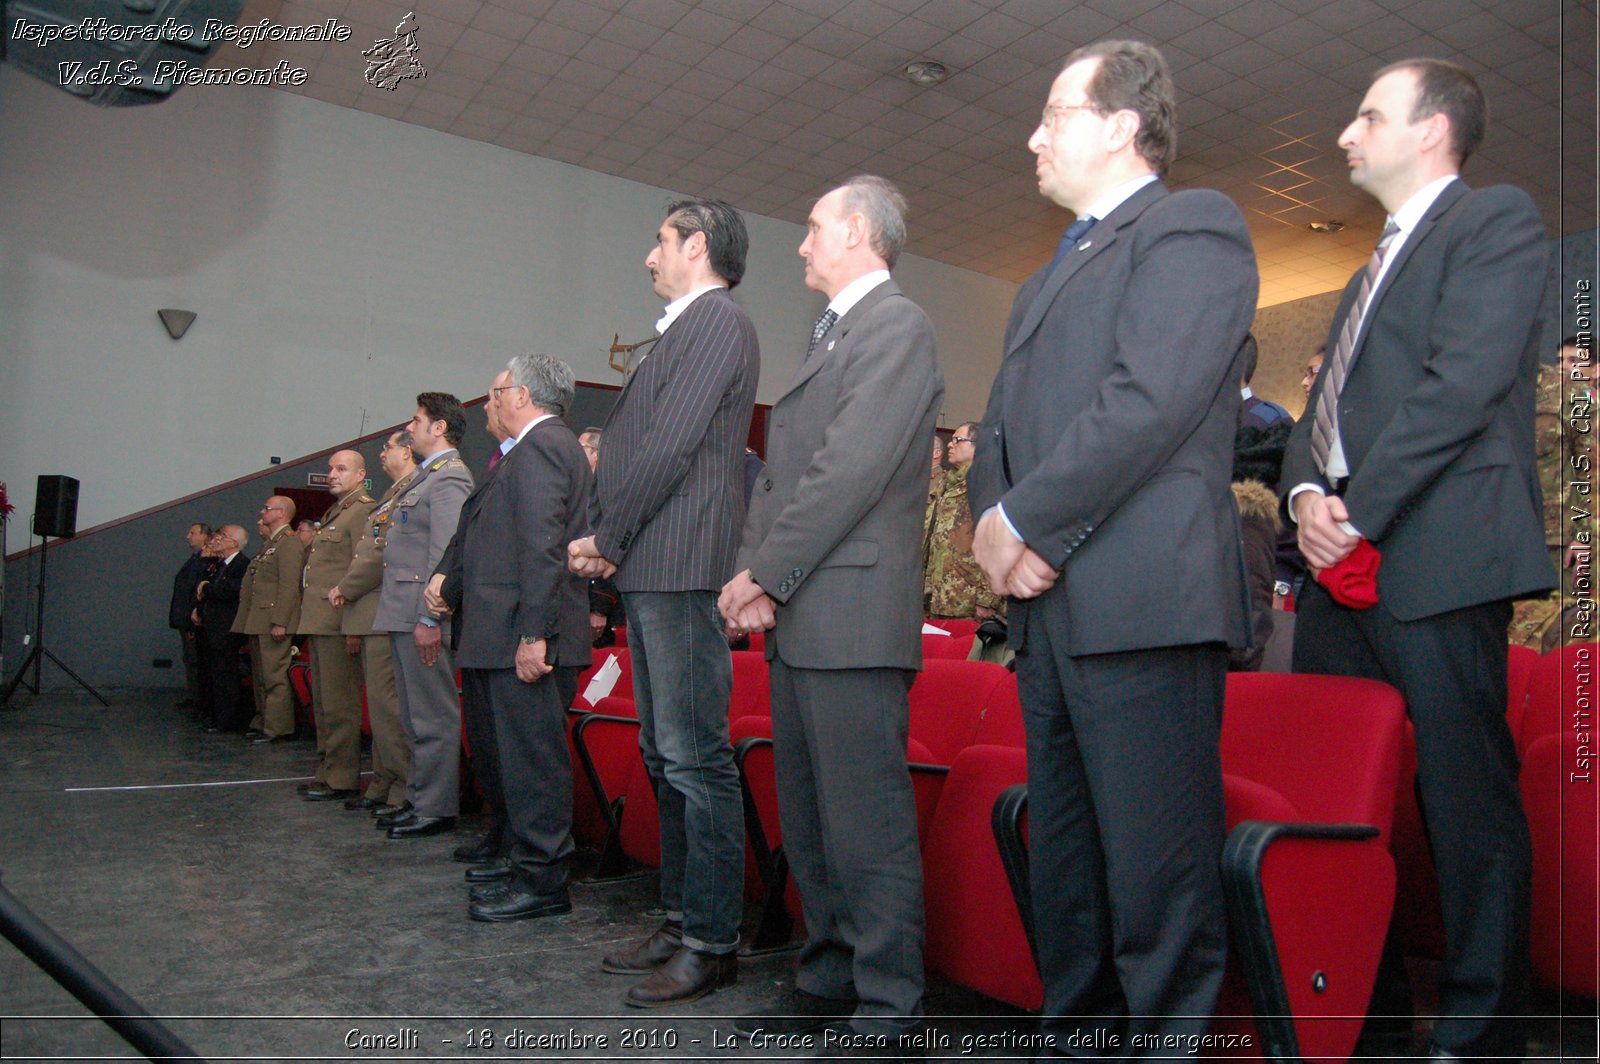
962, 439
1047, 119
269, 509
503, 388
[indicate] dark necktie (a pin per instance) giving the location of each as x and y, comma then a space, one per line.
1071, 237
494, 460
820, 329
1338, 367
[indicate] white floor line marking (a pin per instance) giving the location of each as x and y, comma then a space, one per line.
183, 786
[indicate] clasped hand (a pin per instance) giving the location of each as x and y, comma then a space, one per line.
584, 558
745, 607
1012, 567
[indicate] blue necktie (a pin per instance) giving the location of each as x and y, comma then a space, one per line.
1071, 237
820, 329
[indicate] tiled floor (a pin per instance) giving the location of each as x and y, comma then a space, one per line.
264, 927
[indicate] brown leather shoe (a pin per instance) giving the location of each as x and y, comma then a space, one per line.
688, 975
648, 955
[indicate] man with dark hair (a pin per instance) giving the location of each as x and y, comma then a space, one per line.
1416, 449
335, 674
832, 540
356, 597
523, 630
269, 614
1256, 413
666, 522
423, 521
219, 646
182, 606
953, 586
1110, 428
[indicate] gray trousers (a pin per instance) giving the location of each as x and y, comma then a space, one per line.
430, 710
849, 823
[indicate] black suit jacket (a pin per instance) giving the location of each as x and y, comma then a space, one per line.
1109, 431
669, 496
1436, 414
221, 601
183, 585
506, 569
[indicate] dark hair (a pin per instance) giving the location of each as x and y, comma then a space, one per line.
442, 406
727, 242
202, 526
1252, 354
884, 208
1446, 88
1133, 76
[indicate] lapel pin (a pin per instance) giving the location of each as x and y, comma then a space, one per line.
1086, 245
830, 345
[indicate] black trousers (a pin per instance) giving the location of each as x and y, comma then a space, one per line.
478, 718
222, 700
1452, 670
530, 741
1126, 826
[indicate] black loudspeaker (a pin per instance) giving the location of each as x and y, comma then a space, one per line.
55, 508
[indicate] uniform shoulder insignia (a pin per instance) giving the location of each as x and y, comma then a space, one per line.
454, 462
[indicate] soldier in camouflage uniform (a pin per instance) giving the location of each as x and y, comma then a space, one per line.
1562, 430
952, 583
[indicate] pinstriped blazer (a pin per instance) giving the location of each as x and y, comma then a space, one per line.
669, 489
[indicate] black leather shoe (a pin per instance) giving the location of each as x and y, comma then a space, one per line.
689, 975
796, 1013
328, 794
490, 891
648, 955
251, 733
267, 740
494, 872
422, 826
386, 815
363, 804
484, 848
519, 904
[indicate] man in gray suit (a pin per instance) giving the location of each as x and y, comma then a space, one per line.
1418, 440
420, 526
831, 562
668, 503
525, 627
1110, 429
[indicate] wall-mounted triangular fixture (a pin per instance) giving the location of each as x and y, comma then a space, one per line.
176, 321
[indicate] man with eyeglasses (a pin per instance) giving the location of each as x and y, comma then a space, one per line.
269, 611
1102, 480
356, 598
953, 585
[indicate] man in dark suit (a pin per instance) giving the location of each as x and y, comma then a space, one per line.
1418, 439
668, 504
222, 699
524, 631
831, 562
182, 606
1102, 480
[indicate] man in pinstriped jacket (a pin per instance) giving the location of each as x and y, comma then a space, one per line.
669, 503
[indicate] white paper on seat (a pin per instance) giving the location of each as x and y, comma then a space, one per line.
930, 629
603, 681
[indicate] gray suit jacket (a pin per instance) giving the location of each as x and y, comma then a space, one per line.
670, 485
506, 571
1436, 415
1109, 431
420, 526
834, 532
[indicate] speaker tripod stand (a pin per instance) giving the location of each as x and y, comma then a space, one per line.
41, 650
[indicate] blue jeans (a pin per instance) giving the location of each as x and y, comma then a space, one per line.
682, 677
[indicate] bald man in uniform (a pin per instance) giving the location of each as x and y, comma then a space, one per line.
269, 612
356, 599
335, 673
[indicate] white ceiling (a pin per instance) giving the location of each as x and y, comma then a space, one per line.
764, 103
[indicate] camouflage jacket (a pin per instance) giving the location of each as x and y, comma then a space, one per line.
952, 583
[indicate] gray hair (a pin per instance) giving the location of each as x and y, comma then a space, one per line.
548, 380
884, 208
241, 538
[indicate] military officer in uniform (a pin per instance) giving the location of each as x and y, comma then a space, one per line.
421, 526
335, 674
269, 613
356, 597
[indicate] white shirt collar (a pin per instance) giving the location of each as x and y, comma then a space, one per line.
855, 291
1246, 393
1412, 210
230, 557
677, 306
512, 441
1116, 197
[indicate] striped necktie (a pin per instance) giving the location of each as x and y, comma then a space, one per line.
1338, 367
